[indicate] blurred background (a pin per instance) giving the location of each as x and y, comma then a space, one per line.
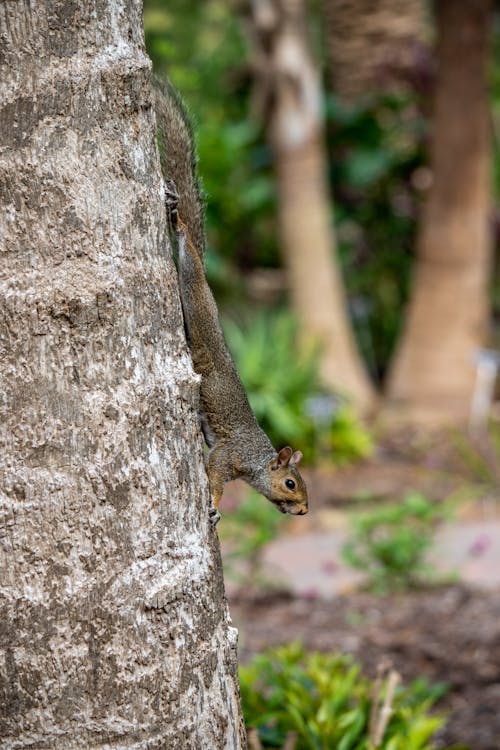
349, 152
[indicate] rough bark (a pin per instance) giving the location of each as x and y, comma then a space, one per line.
433, 373
114, 627
288, 96
373, 44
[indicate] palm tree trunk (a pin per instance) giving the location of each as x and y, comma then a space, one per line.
373, 44
316, 284
288, 96
114, 628
433, 374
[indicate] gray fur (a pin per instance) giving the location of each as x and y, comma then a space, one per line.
239, 448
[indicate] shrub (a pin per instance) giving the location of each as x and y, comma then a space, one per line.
390, 543
281, 376
325, 702
349, 439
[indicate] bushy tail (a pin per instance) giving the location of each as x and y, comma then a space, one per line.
178, 158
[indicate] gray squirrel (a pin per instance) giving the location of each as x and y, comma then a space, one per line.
238, 446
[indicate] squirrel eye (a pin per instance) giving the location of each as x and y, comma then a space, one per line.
290, 484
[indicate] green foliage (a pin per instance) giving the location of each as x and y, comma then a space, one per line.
245, 533
281, 375
480, 455
376, 147
349, 439
376, 157
327, 703
390, 543
277, 373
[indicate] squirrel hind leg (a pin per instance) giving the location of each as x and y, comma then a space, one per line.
218, 472
215, 498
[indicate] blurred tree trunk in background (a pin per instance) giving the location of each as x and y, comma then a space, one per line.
373, 44
287, 95
433, 372
115, 629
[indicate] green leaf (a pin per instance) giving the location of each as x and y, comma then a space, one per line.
326, 701
365, 166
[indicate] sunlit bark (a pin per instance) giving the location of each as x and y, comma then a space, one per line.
433, 373
287, 94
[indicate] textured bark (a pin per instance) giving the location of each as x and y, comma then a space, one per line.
114, 629
433, 373
373, 44
288, 95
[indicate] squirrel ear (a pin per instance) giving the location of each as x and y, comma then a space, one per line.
282, 459
296, 458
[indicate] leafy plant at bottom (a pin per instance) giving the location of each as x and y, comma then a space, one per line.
327, 703
390, 543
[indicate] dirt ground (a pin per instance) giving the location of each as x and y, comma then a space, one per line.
449, 635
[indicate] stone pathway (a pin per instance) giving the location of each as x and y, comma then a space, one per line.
311, 564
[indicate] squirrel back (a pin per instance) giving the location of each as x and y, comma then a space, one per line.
239, 447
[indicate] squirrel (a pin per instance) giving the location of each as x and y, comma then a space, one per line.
239, 448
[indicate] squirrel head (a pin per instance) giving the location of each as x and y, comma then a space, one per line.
288, 489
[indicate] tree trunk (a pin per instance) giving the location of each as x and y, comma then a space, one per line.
373, 44
288, 93
433, 373
114, 626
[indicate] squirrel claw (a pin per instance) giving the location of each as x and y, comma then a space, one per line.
214, 516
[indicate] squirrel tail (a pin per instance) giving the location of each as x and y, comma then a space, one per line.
176, 139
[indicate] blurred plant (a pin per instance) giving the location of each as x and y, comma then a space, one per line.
480, 453
349, 439
389, 543
245, 533
377, 167
494, 429
376, 147
280, 373
323, 702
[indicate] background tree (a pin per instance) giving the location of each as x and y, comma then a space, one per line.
433, 373
378, 72
373, 44
115, 629
287, 93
